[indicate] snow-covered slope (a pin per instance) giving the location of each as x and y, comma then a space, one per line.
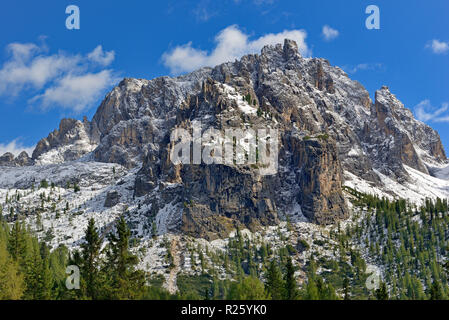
416, 189
331, 134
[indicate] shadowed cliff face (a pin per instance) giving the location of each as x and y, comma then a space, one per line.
320, 182
217, 198
327, 126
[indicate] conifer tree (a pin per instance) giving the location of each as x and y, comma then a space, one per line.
38, 278
46, 280
124, 281
250, 288
11, 280
435, 291
311, 290
17, 242
275, 284
291, 290
382, 292
88, 261
346, 288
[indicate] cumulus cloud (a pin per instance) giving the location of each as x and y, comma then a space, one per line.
329, 34
15, 147
231, 43
31, 68
76, 92
424, 111
26, 68
438, 46
101, 57
22, 51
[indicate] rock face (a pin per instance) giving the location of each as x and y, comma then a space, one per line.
7, 160
320, 182
112, 199
71, 141
22, 160
394, 138
136, 115
327, 127
217, 197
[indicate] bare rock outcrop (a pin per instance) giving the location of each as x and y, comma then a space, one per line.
9, 160
70, 142
328, 127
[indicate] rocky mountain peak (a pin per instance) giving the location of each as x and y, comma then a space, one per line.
421, 143
290, 49
71, 141
9, 160
329, 130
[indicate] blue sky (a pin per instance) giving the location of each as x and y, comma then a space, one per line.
48, 72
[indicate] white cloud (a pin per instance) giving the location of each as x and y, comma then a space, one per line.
438, 46
71, 81
101, 57
231, 44
329, 33
28, 69
203, 11
15, 147
363, 67
76, 92
424, 111
22, 51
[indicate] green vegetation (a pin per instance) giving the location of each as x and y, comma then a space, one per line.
44, 184
28, 270
248, 99
323, 136
407, 243
410, 243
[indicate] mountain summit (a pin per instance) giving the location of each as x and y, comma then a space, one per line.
330, 134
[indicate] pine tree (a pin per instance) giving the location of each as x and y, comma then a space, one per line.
250, 288
346, 288
11, 280
291, 290
88, 261
382, 292
124, 281
154, 230
311, 290
17, 242
275, 284
37, 276
46, 280
44, 184
325, 291
435, 291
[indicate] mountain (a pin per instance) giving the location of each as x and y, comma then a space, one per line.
330, 134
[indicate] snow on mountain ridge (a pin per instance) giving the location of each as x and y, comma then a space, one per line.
379, 144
